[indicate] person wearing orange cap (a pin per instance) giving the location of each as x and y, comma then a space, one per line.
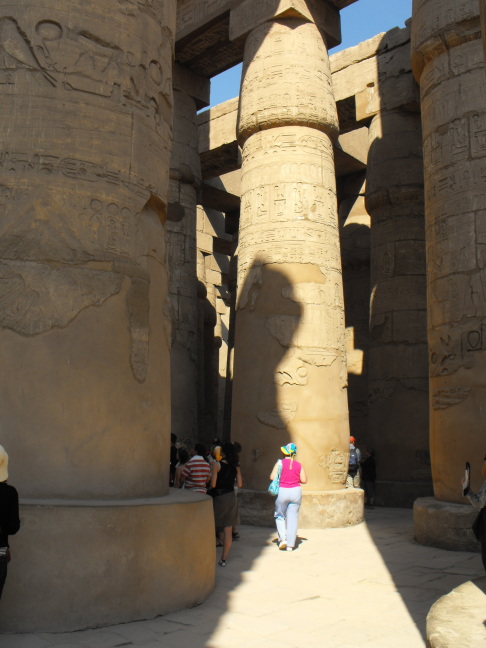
289, 498
353, 478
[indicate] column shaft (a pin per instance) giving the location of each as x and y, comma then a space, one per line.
86, 105
398, 365
181, 241
447, 57
290, 365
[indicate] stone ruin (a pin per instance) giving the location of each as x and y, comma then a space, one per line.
299, 263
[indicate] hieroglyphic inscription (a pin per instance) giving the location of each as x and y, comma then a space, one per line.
336, 465
452, 350
443, 398
83, 61
303, 201
289, 251
433, 17
193, 12
161, 9
22, 162
463, 139
275, 90
138, 305
314, 329
113, 228
280, 417
28, 308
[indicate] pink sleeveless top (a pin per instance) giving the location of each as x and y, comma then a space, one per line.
290, 478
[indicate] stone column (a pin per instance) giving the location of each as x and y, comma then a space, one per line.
86, 104
398, 360
290, 364
185, 180
447, 59
482, 4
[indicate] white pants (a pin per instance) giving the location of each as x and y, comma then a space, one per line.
287, 513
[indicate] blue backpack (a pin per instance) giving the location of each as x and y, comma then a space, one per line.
353, 461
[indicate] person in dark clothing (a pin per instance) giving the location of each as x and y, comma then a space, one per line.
224, 476
9, 516
368, 476
479, 501
173, 458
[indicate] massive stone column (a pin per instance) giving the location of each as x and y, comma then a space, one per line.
482, 4
447, 59
85, 131
290, 363
185, 180
398, 367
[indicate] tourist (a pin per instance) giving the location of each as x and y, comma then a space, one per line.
224, 476
289, 496
173, 458
215, 454
196, 472
238, 449
183, 456
9, 516
479, 501
368, 476
353, 478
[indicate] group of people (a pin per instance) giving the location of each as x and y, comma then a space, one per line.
218, 474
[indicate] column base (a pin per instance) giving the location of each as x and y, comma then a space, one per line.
401, 494
444, 525
85, 564
319, 510
458, 617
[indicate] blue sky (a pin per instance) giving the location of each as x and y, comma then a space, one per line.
359, 21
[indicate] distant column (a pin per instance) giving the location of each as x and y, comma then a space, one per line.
289, 358
398, 367
185, 180
482, 5
447, 59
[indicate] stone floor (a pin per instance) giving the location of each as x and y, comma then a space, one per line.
369, 586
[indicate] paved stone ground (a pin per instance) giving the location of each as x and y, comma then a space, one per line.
369, 586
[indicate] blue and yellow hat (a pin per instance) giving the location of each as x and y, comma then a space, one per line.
289, 449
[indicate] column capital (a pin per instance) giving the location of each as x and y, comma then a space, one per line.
441, 26
249, 14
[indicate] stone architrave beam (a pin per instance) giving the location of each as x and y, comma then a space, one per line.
361, 71
249, 14
193, 15
194, 85
219, 150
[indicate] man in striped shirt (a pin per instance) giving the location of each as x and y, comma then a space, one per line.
197, 472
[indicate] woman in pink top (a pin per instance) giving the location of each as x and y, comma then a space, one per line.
289, 496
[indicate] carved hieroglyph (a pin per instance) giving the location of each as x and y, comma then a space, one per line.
398, 425
290, 368
448, 61
85, 135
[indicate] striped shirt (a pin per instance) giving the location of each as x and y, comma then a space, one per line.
478, 499
196, 474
